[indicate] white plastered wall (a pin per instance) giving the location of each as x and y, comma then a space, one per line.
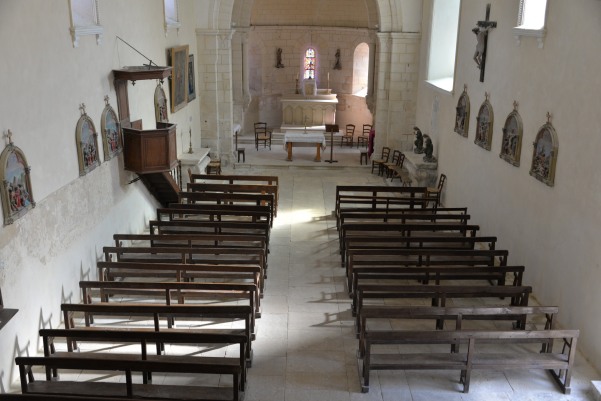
44, 78
553, 231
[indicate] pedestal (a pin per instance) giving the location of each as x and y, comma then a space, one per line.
423, 174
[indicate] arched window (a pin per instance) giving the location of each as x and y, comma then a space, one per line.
309, 64
360, 69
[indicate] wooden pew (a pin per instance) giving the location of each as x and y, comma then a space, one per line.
169, 313
185, 211
237, 189
438, 294
558, 364
408, 229
126, 388
53, 397
405, 257
168, 291
252, 242
396, 241
206, 256
235, 178
456, 316
209, 227
110, 271
125, 335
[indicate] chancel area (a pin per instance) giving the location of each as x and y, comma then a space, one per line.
278, 200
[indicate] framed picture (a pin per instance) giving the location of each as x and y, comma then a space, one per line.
544, 154
15, 191
86, 139
111, 132
178, 60
462, 115
484, 123
191, 79
511, 145
160, 105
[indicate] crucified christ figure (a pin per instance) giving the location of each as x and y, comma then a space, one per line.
481, 33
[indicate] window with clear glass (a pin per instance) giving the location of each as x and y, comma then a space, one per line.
85, 20
309, 64
531, 20
443, 43
171, 15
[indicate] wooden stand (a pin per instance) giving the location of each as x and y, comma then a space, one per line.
331, 128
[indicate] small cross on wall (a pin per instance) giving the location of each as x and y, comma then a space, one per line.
9, 135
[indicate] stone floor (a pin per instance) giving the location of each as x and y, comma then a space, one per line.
306, 347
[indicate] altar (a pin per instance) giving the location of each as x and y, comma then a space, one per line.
304, 139
300, 111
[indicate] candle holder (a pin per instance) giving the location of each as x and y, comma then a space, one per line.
297, 88
190, 151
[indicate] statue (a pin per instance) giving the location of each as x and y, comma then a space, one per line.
428, 150
337, 66
419, 141
279, 59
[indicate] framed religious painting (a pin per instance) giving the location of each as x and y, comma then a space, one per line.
178, 60
544, 154
484, 123
511, 145
111, 133
160, 104
16, 193
86, 139
191, 79
462, 113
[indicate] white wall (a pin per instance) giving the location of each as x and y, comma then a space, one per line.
44, 78
553, 231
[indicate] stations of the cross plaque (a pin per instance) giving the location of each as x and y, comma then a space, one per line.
481, 30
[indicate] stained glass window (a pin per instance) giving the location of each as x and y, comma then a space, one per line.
310, 64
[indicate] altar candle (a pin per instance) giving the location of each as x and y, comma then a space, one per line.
328, 80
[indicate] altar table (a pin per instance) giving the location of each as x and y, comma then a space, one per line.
304, 139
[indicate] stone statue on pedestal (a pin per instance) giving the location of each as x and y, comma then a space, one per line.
419, 141
428, 150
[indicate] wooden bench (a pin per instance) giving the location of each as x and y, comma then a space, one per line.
559, 364
438, 294
405, 257
228, 198
60, 397
126, 388
124, 335
237, 189
248, 213
206, 256
396, 241
169, 313
110, 271
168, 291
209, 227
384, 229
436, 275
405, 315
235, 178
251, 242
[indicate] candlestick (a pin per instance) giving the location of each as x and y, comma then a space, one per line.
328, 80
190, 149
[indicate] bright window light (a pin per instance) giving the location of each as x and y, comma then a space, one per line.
532, 14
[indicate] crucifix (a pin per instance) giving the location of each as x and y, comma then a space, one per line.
481, 31
9, 135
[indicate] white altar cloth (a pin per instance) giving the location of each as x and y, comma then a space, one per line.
311, 138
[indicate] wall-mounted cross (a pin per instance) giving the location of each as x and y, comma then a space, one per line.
9, 135
481, 31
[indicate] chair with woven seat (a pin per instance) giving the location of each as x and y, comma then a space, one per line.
262, 134
397, 158
380, 161
363, 139
348, 135
435, 192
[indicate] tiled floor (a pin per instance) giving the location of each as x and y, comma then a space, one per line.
306, 347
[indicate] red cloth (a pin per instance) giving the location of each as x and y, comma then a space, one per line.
370, 146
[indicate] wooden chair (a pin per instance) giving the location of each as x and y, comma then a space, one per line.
383, 159
363, 139
262, 134
394, 161
438, 190
348, 135
240, 151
